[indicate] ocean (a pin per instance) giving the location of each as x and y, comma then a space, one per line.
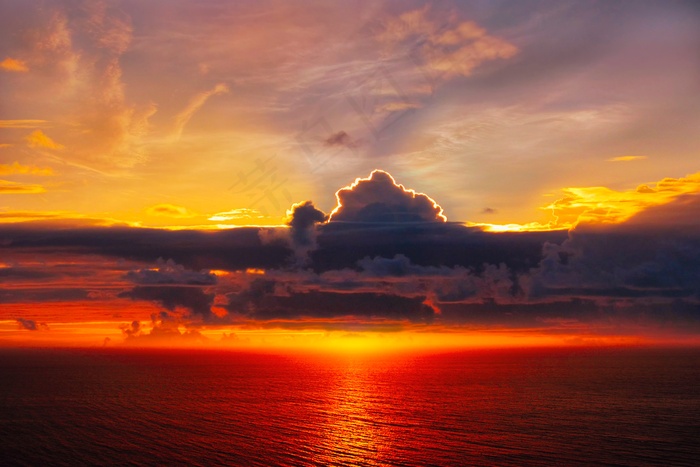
610, 406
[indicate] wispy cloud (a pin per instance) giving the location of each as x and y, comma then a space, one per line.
15, 188
18, 169
196, 103
236, 214
21, 123
626, 158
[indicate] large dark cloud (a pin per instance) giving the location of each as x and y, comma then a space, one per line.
379, 199
264, 301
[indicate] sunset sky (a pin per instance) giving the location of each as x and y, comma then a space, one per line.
205, 173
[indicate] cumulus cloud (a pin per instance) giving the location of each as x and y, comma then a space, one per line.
379, 199
302, 219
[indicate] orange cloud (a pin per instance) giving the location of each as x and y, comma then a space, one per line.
602, 205
17, 168
14, 65
38, 139
626, 158
13, 188
21, 123
170, 210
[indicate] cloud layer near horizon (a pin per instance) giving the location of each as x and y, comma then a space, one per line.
632, 277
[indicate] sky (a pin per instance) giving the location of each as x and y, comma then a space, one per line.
362, 173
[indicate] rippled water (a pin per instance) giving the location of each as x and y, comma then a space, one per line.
533, 407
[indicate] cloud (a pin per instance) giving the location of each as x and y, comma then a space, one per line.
342, 139
164, 330
379, 199
627, 158
18, 169
168, 272
132, 329
169, 210
302, 219
21, 123
14, 65
15, 188
196, 103
236, 214
38, 139
194, 300
260, 302
30, 324
602, 205
74, 52
444, 49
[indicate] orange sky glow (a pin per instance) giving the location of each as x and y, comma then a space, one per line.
311, 176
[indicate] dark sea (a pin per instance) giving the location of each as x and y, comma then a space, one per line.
497, 407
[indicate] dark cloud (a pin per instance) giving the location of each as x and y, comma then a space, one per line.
265, 300
195, 300
233, 249
31, 325
379, 199
168, 272
164, 329
340, 138
43, 295
132, 329
303, 218
488, 210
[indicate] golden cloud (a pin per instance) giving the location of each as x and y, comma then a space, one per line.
18, 169
602, 205
236, 214
13, 188
39, 139
170, 210
626, 158
21, 123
